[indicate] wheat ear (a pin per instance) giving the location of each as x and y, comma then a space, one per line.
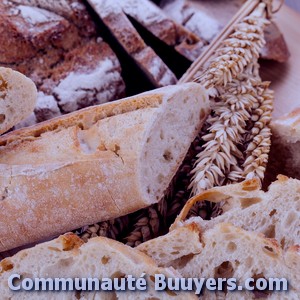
234, 83
257, 152
241, 48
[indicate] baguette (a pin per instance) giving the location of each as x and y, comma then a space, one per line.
275, 213
18, 97
227, 251
68, 257
95, 164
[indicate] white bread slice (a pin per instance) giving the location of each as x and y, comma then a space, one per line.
68, 257
18, 96
231, 252
275, 213
285, 154
183, 242
95, 164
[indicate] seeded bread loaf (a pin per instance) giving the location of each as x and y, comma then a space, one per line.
96, 164
68, 257
284, 155
17, 98
226, 251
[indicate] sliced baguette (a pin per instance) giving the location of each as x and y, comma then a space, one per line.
275, 213
68, 257
228, 252
95, 164
18, 96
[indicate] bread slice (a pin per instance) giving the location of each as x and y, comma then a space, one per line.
68, 257
163, 27
112, 15
18, 97
284, 154
181, 243
96, 164
227, 251
275, 213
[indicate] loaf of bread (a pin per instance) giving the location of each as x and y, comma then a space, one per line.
68, 257
96, 164
206, 19
226, 251
284, 155
18, 97
275, 213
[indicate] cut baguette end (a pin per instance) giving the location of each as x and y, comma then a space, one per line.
18, 96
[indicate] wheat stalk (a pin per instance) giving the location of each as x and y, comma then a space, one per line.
241, 48
259, 137
233, 81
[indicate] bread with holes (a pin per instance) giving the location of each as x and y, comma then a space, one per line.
95, 164
18, 97
227, 251
275, 213
176, 245
68, 257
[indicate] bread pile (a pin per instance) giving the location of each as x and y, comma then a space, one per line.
116, 163
257, 236
68, 257
109, 48
64, 53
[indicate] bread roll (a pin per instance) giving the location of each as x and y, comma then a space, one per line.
68, 257
18, 97
95, 164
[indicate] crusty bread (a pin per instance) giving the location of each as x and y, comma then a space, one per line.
18, 97
275, 213
62, 53
68, 257
227, 251
96, 164
206, 19
284, 154
163, 27
117, 22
